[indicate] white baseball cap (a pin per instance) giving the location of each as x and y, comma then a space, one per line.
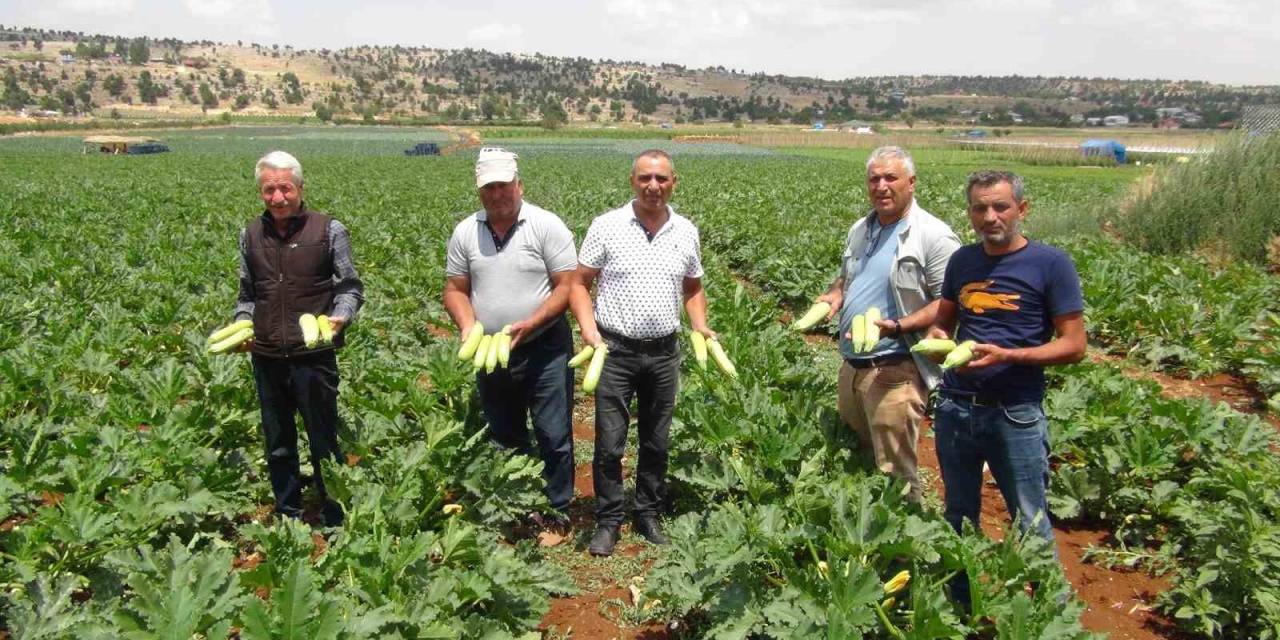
495, 164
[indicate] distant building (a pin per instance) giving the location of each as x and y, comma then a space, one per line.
1115, 121
1178, 116
1077, 118
1093, 122
67, 58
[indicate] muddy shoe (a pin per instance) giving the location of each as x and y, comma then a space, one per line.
651, 529
605, 538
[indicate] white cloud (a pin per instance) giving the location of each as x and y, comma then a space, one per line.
495, 32
99, 7
255, 17
727, 20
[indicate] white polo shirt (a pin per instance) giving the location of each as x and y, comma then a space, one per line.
641, 283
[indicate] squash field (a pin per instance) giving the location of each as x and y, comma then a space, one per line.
133, 496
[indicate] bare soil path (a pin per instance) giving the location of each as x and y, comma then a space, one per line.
600, 608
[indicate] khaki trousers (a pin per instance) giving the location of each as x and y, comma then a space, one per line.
884, 406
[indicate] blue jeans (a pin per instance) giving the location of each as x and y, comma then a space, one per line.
1013, 440
538, 383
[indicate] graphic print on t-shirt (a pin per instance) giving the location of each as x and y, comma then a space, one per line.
975, 297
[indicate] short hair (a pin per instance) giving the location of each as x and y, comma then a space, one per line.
890, 152
279, 160
653, 153
990, 178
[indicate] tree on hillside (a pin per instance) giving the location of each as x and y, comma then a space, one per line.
292, 88
139, 52
208, 99
15, 97
147, 90
85, 96
553, 115
114, 84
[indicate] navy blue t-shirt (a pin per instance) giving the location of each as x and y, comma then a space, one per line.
1009, 301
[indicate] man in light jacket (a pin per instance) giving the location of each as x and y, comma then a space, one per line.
894, 259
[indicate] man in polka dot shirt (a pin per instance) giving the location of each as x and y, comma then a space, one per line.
646, 260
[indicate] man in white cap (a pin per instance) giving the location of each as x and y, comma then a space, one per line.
512, 263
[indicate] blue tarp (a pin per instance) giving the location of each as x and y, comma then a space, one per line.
1106, 148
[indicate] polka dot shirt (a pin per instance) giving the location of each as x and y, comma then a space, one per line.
641, 284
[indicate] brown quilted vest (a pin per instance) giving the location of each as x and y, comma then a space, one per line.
290, 277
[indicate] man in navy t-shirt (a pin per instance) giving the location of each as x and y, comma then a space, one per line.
1020, 301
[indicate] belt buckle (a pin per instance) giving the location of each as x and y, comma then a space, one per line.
979, 401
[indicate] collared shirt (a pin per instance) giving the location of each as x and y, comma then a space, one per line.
641, 283
510, 277
348, 290
868, 285
925, 245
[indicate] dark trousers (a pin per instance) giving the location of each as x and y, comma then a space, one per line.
307, 385
537, 384
650, 374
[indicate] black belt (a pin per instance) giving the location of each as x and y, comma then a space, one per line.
975, 399
877, 361
641, 345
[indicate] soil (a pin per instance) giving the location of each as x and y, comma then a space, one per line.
1239, 394
439, 331
594, 613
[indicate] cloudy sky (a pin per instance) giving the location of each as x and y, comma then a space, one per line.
1235, 42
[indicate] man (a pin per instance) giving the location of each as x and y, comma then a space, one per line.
1020, 301
648, 261
894, 259
295, 261
512, 263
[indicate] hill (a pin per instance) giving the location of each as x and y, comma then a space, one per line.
75, 73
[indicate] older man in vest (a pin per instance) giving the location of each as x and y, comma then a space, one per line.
295, 261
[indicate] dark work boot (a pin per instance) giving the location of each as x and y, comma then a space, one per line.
651, 529
603, 541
